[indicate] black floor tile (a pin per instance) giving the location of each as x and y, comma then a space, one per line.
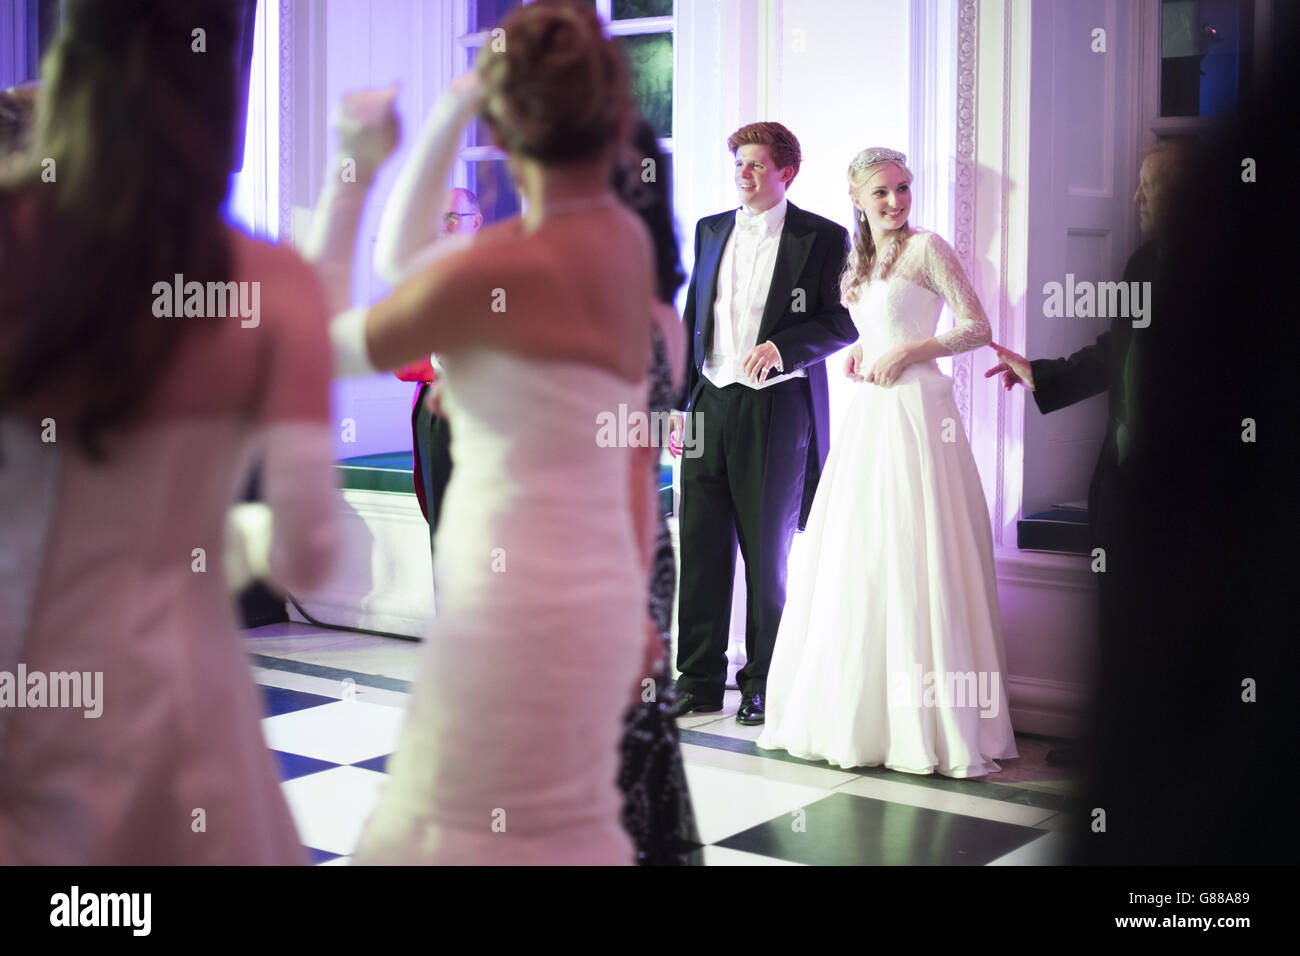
321, 856
280, 700
378, 764
848, 830
293, 766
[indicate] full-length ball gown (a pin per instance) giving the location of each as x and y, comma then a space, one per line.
115, 568
510, 749
890, 648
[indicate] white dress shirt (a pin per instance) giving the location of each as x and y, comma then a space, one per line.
744, 279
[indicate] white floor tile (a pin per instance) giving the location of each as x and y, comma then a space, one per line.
766, 768
727, 802
345, 732
1048, 850
331, 807
364, 653
721, 856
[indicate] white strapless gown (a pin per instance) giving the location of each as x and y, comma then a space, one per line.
890, 647
509, 752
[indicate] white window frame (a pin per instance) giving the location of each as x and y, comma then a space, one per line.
470, 42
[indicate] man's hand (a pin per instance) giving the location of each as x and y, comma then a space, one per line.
762, 358
853, 364
676, 425
1014, 368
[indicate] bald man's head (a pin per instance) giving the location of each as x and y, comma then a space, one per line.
1165, 166
461, 213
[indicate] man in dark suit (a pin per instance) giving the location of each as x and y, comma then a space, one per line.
762, 313
1108, 366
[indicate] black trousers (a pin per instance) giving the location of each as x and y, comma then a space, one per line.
746, 486
433, 445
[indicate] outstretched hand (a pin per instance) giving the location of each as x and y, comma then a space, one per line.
368, 127
1014, 368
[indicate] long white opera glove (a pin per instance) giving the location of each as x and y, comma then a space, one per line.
414, 209
292, 539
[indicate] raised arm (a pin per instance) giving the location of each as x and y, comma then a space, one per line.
480, 296
367, 135
412, 217
292, 538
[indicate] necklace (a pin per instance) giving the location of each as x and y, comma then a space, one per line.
577, 205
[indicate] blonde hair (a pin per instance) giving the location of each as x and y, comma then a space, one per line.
862, 260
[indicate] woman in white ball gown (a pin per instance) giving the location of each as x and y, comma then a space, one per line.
510, 749
890, 648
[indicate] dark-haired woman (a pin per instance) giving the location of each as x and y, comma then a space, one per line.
657, 810
127, 426
509, 752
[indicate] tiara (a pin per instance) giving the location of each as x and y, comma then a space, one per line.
876, 155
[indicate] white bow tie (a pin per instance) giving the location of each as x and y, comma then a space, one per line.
752, 225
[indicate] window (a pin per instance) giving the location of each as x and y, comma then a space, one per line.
1206, 56
27, 28
643, 27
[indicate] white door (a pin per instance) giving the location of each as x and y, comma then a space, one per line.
1084, 142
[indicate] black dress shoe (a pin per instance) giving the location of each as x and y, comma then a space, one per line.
688, 703
751, 710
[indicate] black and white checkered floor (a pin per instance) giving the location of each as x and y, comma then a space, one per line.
335, 702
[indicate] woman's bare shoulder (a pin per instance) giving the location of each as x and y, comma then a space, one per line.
281, 265
506, 229
288, 290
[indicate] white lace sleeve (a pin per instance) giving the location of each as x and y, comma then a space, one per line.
944, 276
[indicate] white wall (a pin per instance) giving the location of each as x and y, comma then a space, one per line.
836, 72
844, 88
355, 44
